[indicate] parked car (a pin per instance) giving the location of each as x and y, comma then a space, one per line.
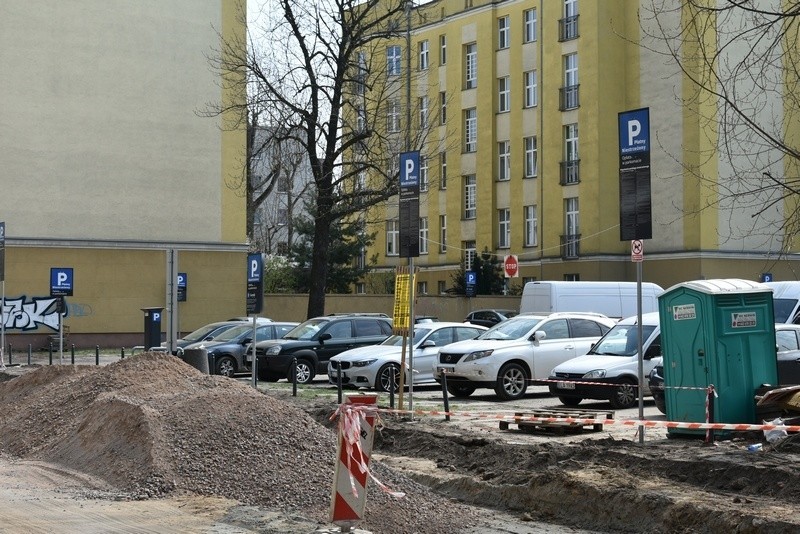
204, 333
313, 342
259, 320
378, 366
489, 318
612, 360
511, 353
787, 337
228, 350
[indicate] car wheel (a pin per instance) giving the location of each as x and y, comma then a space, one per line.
304, 370
625, 395
387, 375
570, 401
512, 382
661, 403
460, 391
226, 366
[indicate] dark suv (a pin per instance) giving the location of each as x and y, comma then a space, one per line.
315, 341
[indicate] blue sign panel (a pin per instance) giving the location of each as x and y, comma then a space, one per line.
766, 277
182, 280
634, 131
472, 277
61, 281
409, 169
255, 283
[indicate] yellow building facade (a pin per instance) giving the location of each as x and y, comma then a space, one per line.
520, 101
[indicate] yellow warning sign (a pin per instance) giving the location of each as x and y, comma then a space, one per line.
402, 307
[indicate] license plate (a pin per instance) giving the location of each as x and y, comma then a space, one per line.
565, 385
446, 369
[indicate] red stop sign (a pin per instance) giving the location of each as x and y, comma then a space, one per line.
511, 266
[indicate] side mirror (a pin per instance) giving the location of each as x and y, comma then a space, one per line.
428, 343
324, 337
653, 351
538, 336
246, 341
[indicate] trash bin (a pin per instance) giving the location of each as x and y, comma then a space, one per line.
719, 332
197, 358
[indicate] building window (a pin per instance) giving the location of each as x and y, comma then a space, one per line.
392, 238
531, 226
422, 288
443, 170
283, 248
361, 181
361, 119
502, 32
503, 94
423, 55
531, 89
442, 108
393, 116
361, 288
423, 112
469, 254
504, 228
529, 24
283, 216
470, 187
361, 259
361, 74
570, 166
568, 95
441, 287
572, 277
423, 235
471, 66
423, 173
470, 130
393, 60
503, 160
284, 183
442, 233
531, 162
568, 26
571, 239
442, 50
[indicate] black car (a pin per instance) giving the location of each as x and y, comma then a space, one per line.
656, 383
228, 351
313, 342
489, 318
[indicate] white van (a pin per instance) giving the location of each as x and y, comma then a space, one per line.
612, 299
786, 301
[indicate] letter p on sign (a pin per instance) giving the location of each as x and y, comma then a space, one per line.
634, 129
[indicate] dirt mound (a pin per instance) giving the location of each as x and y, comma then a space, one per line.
151, 424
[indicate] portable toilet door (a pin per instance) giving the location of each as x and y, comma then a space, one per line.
720, 333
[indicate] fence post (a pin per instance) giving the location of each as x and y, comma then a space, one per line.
97, 354
30, 353
72, 351
51, 353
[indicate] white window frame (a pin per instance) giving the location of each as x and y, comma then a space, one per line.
571, 216
442, 50
470, 251
503, 94
531, 237
423, 235
529, 25
361, 288
470, 130
422, 287
442, 107
361, 119
531, 157
504, 161
393, 116
571, 144
423, 55
531, 89
571, 69
570, 8
442, 170
441, 287
423, 173
392, 237
361, 181
504, 228
471, 66
442, 234
470, 196
503, 32
394, 60
423, 111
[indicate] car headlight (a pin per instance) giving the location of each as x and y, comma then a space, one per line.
273, 350
477, 355
364, 363
597, 373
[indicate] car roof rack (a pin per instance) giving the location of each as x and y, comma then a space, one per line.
357, 314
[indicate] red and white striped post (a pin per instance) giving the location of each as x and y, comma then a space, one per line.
356, 432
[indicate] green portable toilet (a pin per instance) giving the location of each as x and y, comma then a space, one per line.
719, 332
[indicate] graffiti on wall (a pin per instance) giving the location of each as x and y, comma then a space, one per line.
27, 315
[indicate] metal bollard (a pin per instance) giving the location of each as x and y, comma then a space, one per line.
391, 394
30, 353
97, 354
294, 377
122, 354
446, 398
51, 353
10, 353
339, 382
72, 352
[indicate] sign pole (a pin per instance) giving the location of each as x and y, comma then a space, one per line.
640, 334
3, 296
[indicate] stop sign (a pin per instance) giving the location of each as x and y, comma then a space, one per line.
511, 266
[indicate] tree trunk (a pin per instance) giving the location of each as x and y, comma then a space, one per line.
319, 258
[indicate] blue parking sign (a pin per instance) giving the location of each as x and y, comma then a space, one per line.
61, 281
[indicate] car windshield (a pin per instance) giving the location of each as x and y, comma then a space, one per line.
783, 308
233, 333
511, 329
306, 330
201, 333
397, 341
622, 340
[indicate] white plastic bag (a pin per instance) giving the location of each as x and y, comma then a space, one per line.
775, 434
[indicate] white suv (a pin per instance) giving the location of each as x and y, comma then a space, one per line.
517, 350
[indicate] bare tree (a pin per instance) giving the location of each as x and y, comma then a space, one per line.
741, 59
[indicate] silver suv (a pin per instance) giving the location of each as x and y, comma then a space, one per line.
517, 350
